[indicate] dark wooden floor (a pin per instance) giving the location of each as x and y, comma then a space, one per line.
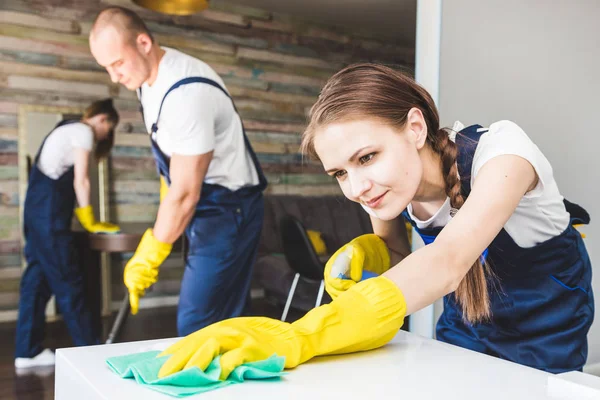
146, 325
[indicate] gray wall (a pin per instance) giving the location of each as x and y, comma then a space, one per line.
537, 63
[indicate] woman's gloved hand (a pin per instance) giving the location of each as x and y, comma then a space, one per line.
352, 262
85, 215
141, 271
365, 317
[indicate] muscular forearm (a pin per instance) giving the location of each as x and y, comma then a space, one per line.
177, 207
174, 214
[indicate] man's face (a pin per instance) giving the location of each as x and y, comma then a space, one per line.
125, 58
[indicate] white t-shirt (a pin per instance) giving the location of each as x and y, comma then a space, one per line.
541, 214
58, 153
198, 118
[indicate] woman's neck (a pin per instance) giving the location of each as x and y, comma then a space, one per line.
89, 123
431, 193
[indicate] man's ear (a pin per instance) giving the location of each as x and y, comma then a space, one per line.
144, 43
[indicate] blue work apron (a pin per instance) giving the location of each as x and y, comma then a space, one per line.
223, 236
544, 305
52, 266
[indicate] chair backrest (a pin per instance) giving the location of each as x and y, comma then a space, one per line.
298, 249
28, 158
339, 219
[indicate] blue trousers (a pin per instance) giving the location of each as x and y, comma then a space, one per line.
218, 271
52, 269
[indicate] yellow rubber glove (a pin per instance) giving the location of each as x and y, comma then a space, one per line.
367, 252
141, 271
164, 188
409, 229
85, 215
316, 239
577, 226
365, 317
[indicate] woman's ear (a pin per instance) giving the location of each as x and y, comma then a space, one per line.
416, 126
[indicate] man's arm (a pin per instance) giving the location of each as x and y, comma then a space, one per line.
177, 208
191, 132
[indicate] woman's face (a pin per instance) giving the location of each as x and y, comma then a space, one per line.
101, 126
375, 164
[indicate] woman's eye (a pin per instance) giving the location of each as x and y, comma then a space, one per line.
366, 158
339, 174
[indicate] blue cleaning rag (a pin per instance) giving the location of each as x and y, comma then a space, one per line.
144, 367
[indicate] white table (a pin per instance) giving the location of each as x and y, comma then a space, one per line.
409, 367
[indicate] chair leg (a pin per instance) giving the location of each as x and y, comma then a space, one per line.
320, 295
288, 302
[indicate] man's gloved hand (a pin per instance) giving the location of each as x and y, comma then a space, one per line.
141, 271
164, 188
365, 317
350, 264
85, 215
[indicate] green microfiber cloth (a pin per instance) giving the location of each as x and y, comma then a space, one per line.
144, 367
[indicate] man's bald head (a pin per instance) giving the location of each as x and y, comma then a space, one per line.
121, 43
126, 22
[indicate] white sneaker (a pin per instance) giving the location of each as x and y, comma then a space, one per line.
42, 372
45, 358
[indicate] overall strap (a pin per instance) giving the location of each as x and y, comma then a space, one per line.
139, 94
197, 79
466, 143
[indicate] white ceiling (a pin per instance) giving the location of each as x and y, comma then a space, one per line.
392, 20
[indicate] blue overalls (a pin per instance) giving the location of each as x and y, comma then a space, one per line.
542, 303
52, 266
223, 237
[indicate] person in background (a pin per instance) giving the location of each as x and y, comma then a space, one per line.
59, 177
212, 183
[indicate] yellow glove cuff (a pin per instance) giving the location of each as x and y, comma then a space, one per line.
153, 250
85, 215
365, 317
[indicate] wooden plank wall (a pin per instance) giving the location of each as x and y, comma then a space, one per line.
273, 65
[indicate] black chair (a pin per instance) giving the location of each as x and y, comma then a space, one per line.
29, 162
301, 256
